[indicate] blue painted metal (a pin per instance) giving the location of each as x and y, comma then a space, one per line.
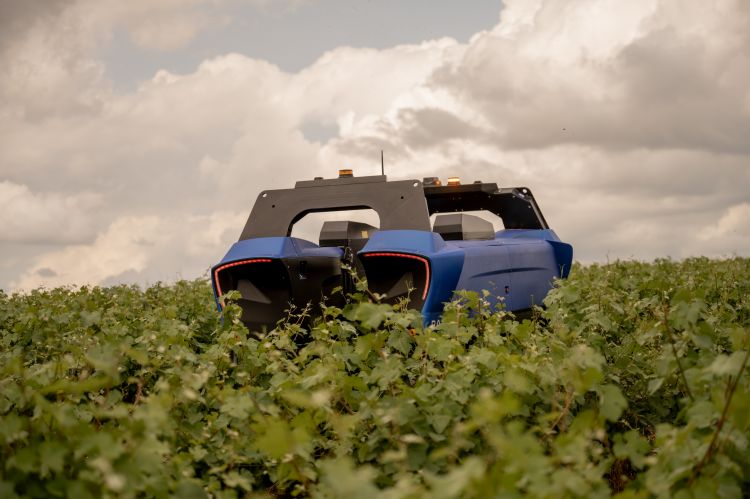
276, 247
446, 262
517, 267
281, 248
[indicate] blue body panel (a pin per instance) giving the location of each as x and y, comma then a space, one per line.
517, 267
274, 248
446, 262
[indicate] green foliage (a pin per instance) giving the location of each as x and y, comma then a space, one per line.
633, 381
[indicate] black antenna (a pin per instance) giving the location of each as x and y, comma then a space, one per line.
382, 163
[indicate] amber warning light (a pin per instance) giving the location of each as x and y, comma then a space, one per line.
453, 181
347, 172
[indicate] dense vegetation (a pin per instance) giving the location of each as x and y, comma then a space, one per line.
633, 381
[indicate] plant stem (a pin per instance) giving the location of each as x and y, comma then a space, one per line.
670, 336
711, 450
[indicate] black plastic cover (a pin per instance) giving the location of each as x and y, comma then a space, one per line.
516, 206
400, 205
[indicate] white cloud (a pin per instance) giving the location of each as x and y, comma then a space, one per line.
49, 65
736, 221
166, 25
624, 118
28, 217
138, 249
629, 121
730, 234
366, 81
44, 68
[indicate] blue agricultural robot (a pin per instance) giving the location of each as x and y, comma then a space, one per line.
406, 258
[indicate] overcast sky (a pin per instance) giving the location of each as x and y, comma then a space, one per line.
135, 136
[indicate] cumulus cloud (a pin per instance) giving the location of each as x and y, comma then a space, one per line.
48, 49
28, 217
164, 25
629, 121
619, 75
137, 250
731, 232
612, 74
44, 64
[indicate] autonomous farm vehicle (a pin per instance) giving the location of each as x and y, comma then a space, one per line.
407, 258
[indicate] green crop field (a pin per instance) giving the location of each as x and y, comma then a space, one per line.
633, 381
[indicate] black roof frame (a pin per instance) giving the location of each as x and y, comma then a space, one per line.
400, 204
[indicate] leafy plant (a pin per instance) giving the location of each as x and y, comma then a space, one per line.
632, 381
